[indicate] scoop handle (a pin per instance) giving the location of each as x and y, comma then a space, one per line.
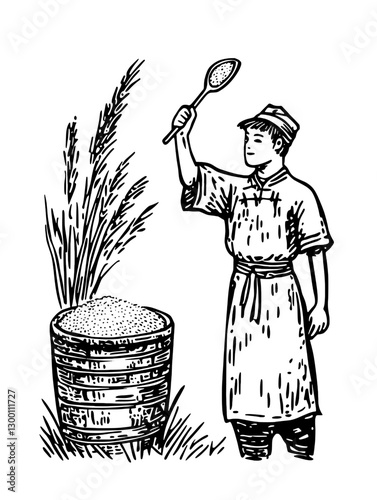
174, 131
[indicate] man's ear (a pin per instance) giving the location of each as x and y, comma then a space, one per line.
278, 145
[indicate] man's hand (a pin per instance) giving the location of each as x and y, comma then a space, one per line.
318, 321
184, 119
188, 171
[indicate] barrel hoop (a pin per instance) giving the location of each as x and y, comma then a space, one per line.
149, 383
114, 373
90, 352
103, 382
139, 433
107, 406
101, 341
106, 358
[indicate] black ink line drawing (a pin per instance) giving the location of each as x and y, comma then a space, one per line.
180, 439
112, 371
218, 76
95, 228
269, 377
111, 360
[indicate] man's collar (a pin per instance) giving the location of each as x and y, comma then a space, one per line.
274, 179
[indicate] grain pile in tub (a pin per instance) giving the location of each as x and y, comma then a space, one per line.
111, 317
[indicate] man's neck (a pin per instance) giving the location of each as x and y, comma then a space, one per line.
269, 169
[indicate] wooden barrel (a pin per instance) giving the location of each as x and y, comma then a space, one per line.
111, 389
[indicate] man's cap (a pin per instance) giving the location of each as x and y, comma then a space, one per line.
279, 117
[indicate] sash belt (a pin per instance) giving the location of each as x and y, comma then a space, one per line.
254, 273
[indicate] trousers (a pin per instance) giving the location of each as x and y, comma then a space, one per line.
255, 438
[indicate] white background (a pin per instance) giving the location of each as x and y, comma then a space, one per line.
317, 59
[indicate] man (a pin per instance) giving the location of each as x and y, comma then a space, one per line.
269, 380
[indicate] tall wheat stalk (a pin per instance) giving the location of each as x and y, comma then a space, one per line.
87, 236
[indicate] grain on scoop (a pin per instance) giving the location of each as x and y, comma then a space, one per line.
220, 74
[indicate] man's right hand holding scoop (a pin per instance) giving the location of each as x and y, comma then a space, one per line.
184, 119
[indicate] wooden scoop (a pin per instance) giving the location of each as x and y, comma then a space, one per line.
218, 76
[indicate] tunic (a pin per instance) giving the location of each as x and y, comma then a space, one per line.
269, 371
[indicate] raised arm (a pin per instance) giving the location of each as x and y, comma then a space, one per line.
187, 168
319, 314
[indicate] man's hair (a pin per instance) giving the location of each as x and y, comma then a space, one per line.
272, 130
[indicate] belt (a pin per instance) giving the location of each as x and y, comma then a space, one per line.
254, 273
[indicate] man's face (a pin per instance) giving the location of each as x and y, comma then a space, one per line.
259, 148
